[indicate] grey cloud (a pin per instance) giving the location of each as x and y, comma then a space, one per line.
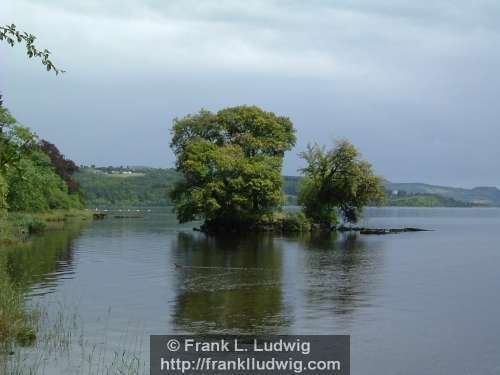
413, 84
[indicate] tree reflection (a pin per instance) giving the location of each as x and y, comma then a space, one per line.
340, 270
238, 285
229, 284
44, 258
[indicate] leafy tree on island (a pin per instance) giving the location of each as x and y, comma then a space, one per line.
231, 162
335, 180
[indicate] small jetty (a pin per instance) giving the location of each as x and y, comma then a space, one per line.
120, 213
380, 231
129, 216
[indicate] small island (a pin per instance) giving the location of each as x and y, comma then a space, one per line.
231, 167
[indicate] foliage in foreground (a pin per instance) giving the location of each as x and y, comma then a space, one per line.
231, 162
337, 180
3, 195
11, 35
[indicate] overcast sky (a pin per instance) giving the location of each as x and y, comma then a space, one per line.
415, 85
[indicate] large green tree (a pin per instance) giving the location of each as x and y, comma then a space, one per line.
231, 162
35, 186
337, 179
29, 178
15, 140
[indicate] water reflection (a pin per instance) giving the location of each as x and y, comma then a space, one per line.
260, 283
410, 287
229, 284
45, 260
341, 271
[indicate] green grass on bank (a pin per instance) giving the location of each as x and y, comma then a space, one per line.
16, 227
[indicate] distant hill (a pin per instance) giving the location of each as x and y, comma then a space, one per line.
126, 186
424, 200
478, 196
143, 186
421, 195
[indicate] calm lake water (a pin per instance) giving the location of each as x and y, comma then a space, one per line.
413, 303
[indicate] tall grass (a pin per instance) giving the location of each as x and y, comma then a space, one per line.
62, 348
19, 324
16, 323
